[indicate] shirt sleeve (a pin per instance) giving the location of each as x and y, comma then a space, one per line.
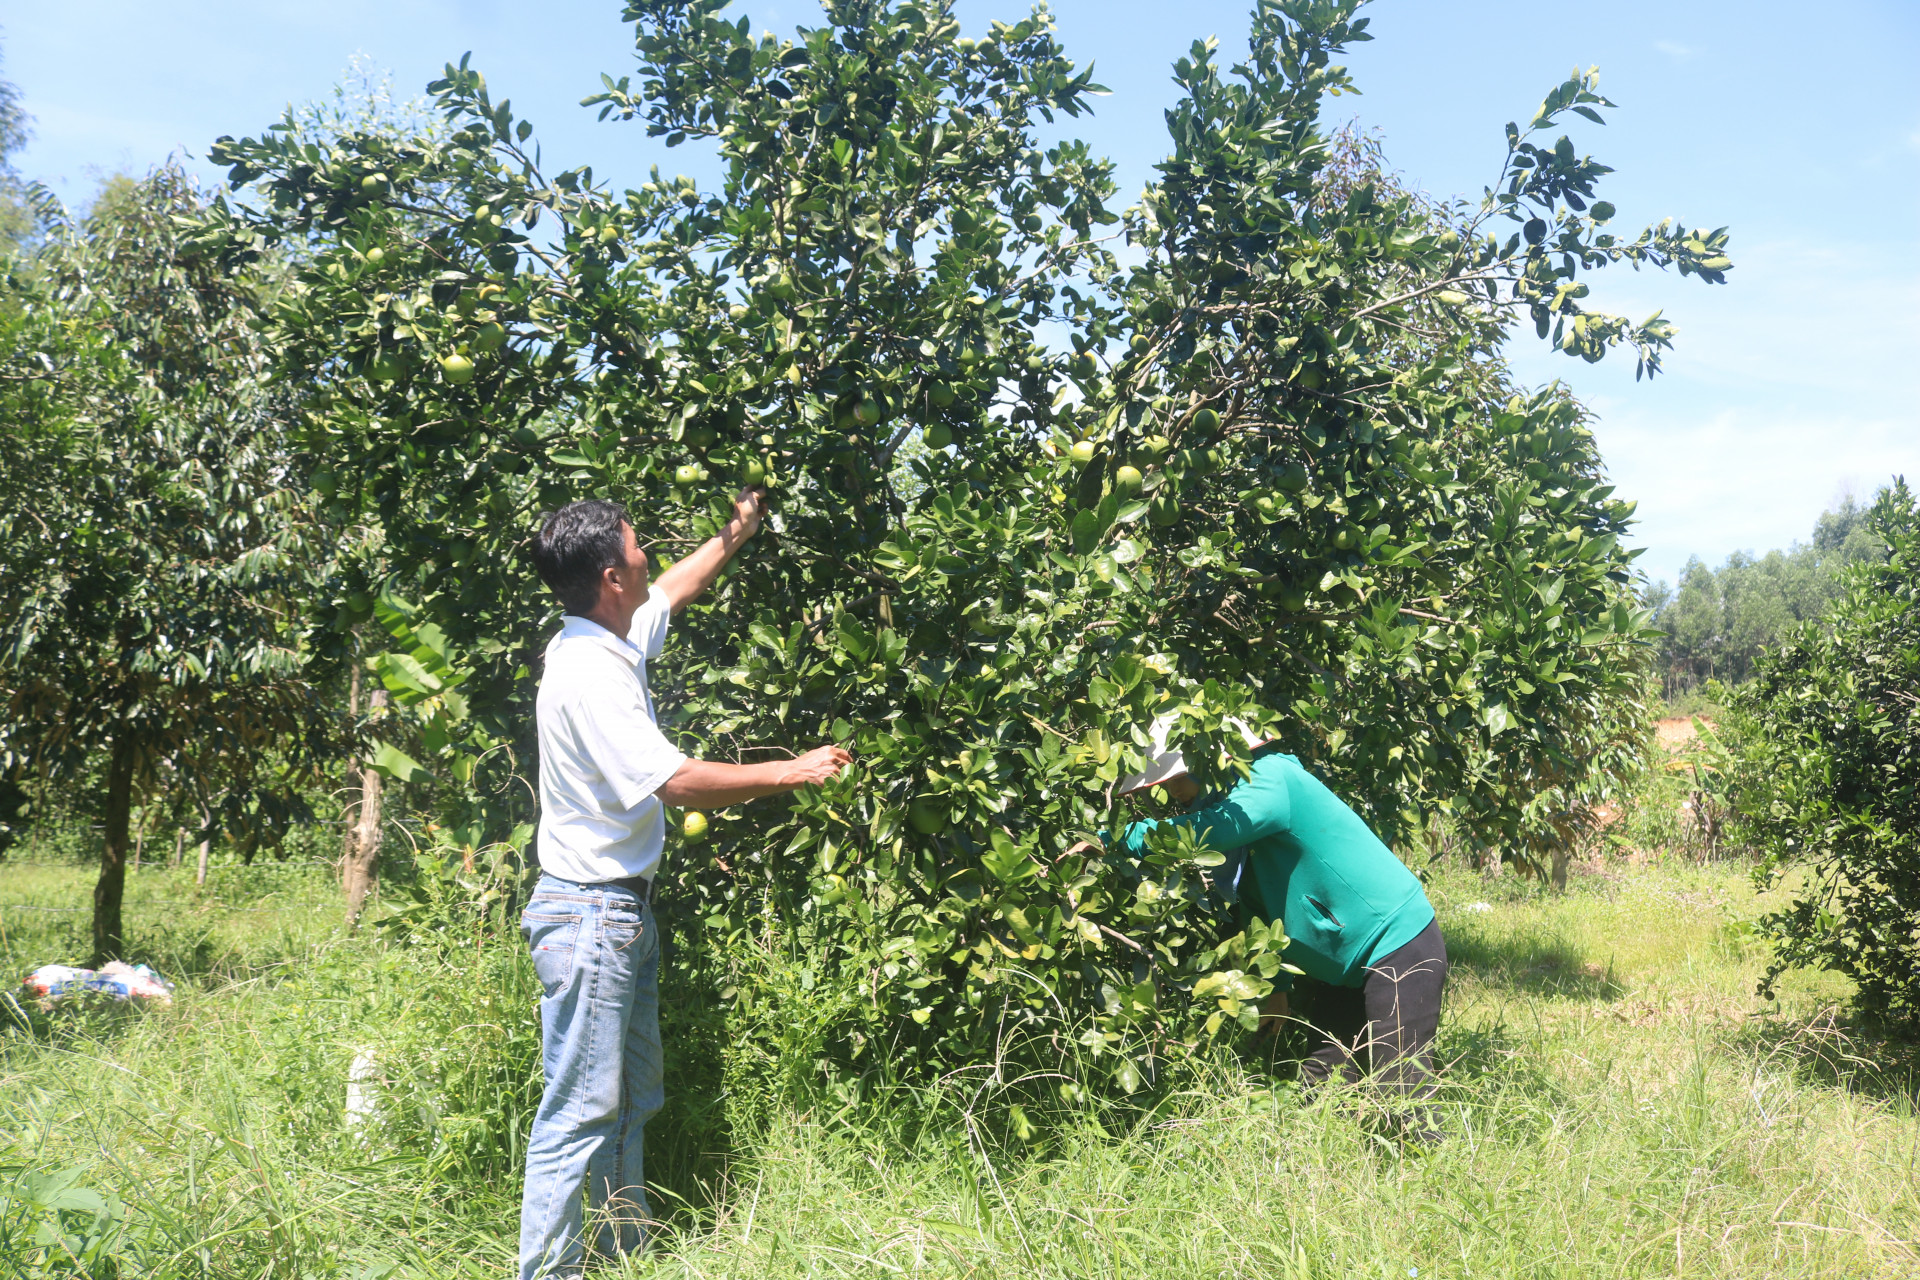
1255, 809
649, 631
625, 746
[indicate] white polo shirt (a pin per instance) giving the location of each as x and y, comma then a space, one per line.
602, 756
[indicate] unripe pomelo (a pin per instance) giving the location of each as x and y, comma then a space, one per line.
942, 395
694, 826
939, 436
1165, 511
686, 474
927, 816
374, 184
1127, 481
457, 369
753, 471
1082, 452
376, 255
1206, 420
490, 337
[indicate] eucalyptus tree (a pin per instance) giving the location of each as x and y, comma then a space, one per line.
1276, 473
151, 549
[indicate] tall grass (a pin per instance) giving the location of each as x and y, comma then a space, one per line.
1618, 1104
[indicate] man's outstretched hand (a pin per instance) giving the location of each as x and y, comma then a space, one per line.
822, 764
749, 505
707, 783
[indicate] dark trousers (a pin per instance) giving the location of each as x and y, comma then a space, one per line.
1385, 1027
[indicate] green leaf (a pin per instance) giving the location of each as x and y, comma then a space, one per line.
391, 762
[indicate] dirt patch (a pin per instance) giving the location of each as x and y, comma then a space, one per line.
1675, 732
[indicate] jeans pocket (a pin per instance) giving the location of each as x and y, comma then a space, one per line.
551, 935
622, 926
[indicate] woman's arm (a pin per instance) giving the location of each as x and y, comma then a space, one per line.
1255, 809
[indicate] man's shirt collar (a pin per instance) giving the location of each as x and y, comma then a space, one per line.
573, 626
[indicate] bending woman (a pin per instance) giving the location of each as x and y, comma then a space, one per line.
1358, 923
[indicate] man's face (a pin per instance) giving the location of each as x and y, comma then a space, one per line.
633, 575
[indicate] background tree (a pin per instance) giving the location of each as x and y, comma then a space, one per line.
1717, 623
1828, 780
152, 562
19, 217
1275, 472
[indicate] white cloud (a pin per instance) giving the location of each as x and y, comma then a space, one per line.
1790, 385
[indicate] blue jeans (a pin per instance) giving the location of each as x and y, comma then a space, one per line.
597, 954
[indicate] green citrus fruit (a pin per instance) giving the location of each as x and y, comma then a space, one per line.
1294, 478
927, 816
376, 255
694, 826
942, 395
1206, 420
1141, 344
939, 436
1293, 599
1157, 446
867, 412
490, 337
375, 184
324, 482
1127, 481
457, 369
686, 474
753, 471
1346, 539
1082, 451
1165, 511
384, 367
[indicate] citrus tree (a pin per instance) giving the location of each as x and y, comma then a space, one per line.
1274, 472
1831, 723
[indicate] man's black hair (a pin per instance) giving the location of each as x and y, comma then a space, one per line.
577, 544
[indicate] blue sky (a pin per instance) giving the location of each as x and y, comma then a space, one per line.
1797, 125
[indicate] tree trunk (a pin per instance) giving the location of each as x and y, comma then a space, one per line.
179, 846
1562, 856
363, 859
206, 842
350, 839
109, 942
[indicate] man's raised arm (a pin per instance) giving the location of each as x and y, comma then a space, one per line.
689, 577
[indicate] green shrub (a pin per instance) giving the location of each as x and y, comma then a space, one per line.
1831, 780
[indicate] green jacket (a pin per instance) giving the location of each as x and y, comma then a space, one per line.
1310, 862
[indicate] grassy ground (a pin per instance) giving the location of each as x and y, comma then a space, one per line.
1619, 1104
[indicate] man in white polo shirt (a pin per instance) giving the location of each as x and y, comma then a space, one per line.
606, 771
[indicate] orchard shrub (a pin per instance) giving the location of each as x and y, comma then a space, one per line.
1273, 471
1830, 784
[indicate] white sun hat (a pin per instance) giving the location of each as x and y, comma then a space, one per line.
1163, 763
